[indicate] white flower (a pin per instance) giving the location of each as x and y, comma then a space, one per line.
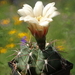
38, 17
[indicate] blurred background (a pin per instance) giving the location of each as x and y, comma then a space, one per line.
12, 30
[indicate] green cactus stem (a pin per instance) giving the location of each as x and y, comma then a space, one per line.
33, 61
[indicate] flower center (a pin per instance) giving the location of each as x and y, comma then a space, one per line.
39, 17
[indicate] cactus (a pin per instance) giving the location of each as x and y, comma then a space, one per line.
30, 60
37, 58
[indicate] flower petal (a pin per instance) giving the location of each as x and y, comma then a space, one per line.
45, 23
28, 9
54, 14
38, 9
47, 7
50, 11
30, 19
27, 6
46, 19
21, 12
21, 18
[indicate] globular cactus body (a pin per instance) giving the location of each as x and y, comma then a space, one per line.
33, 61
